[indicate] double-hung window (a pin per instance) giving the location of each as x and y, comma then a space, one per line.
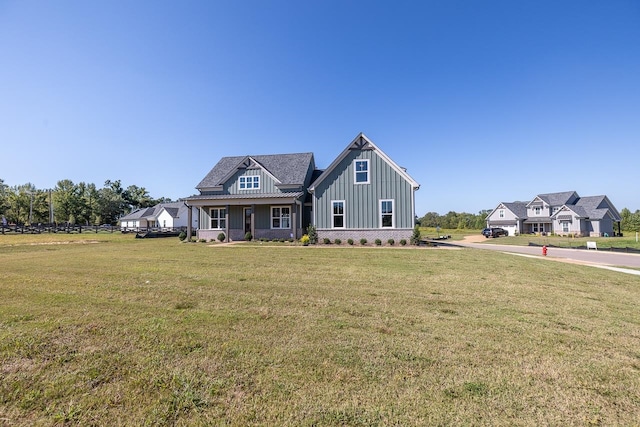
501, 213
386, 214
361, 171
337, 213
249, 182
218, 218
280, 217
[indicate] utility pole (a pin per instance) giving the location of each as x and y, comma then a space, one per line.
30, 206
50, 208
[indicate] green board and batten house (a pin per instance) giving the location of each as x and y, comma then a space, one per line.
362, 194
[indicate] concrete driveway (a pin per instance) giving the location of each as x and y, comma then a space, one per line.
615, 261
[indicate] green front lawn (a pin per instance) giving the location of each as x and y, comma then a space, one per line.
124, 331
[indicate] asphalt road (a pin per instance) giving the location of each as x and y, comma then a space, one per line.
597, 258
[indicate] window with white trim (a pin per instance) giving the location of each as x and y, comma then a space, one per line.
565, 226
280, 217
337, 214
537, 210
386, 214
249, 182
361, 171
218, 218
501, 213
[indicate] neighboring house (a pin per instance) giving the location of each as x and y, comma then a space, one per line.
362, 194
162, 215
563, 213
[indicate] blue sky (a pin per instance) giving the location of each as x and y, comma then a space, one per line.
481, 101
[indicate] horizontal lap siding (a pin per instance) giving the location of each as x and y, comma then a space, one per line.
362, 201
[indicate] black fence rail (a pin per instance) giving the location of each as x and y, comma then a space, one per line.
56, 228
78, 229
584, 247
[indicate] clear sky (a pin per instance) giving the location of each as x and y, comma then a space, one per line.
481, 101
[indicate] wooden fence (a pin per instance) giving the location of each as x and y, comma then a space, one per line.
77, 228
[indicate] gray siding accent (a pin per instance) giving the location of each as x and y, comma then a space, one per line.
508, 215
362, 201
267, 185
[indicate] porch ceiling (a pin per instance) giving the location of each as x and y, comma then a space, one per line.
537, 221
246, 199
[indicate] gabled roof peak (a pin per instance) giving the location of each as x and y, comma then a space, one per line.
361, 142
284, 168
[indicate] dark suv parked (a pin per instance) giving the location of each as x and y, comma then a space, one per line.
494, 232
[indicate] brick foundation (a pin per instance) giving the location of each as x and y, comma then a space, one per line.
370, 234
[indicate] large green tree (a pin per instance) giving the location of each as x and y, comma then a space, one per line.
90, 196
630, 221
67, 202
27, 205
4, 189
138, 197
112, 204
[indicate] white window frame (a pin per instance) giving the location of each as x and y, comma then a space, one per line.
281, 217
249, 182
537, 210
565, 226
393, 213
501, 213
221, 220
356, 171
334, 215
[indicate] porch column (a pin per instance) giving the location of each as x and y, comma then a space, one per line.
226, 223
189, 220
253, 221
294, 222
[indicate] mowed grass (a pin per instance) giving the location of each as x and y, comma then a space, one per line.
124, 331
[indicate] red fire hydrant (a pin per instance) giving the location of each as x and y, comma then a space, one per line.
544, 250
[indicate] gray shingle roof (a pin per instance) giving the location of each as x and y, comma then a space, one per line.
154, 211
557, 199
519, 209
172, 211
287, 168
594, 207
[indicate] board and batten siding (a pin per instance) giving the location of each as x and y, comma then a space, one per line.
267, 185
362, 201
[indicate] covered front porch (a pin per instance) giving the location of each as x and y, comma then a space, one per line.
538, 225
238, 218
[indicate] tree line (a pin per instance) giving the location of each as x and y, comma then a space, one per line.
466, 221
84, 203
68, 202
455, 221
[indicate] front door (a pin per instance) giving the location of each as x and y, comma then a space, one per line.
247, 220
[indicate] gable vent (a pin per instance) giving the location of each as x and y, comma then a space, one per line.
361, 144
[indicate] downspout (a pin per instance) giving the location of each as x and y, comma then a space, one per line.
226, 223
189, 220
313, 208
